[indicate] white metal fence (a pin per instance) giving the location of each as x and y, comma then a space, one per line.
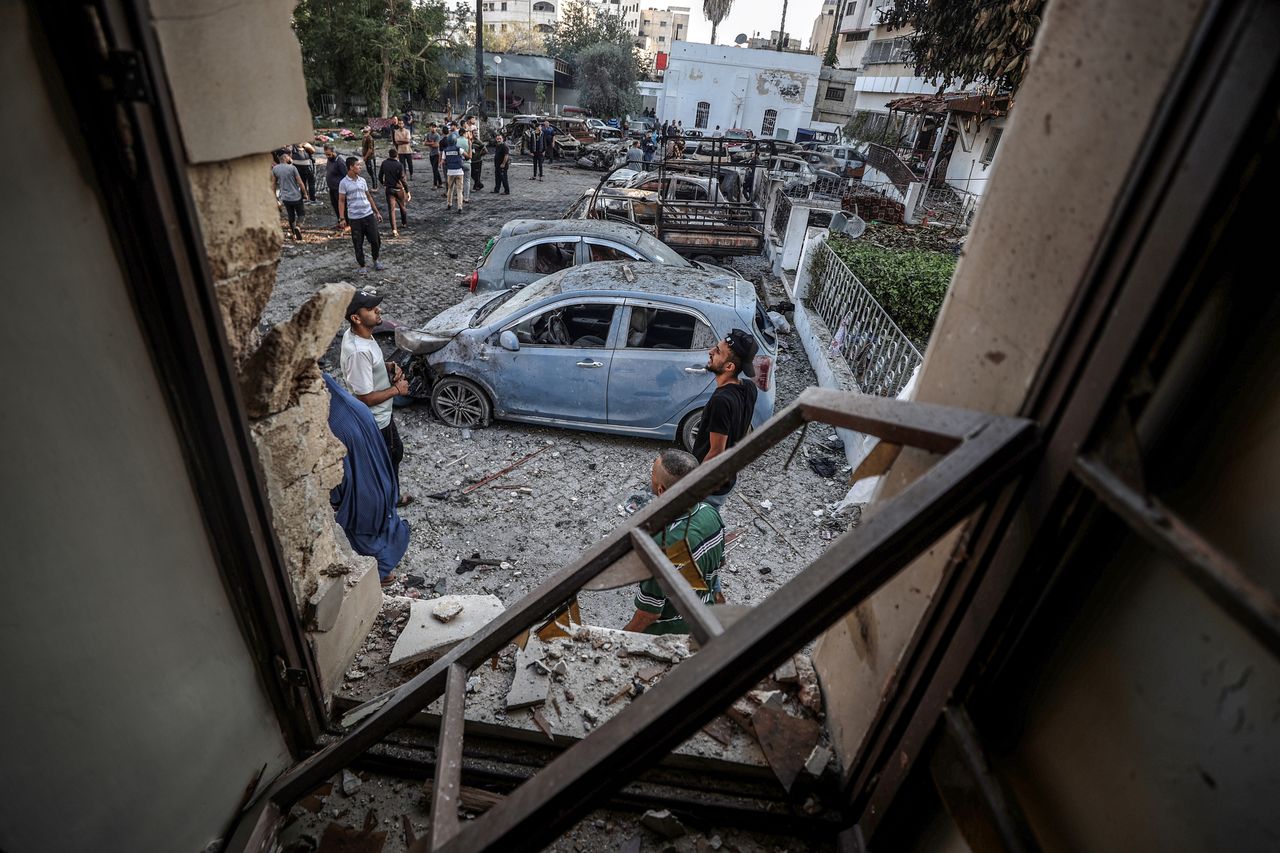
879, 354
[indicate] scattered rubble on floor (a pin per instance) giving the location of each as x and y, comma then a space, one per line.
424, 636
350, 782
532, 682
663, 822
787, 741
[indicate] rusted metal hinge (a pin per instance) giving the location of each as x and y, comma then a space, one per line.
128, 75
291, 675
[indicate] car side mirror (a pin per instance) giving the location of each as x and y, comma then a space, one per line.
508, 341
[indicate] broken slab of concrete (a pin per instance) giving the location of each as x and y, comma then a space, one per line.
425, 637
787, 741
663, 822
446, 608
817, 760
532, 680
335, 648
807, 677
669, 648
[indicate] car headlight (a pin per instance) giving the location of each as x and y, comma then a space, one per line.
419, 342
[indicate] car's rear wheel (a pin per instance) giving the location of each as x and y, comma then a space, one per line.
689, 429
460, 403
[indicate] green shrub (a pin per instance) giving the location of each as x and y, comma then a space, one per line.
909, 284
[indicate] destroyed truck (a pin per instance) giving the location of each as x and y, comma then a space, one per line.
689, 208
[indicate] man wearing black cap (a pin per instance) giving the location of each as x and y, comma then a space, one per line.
727, 415
372, 380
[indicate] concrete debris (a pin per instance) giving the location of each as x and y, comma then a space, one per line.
588, 714
472, 683
810, 692
425, 637
670, 648
817, 761
766, 505
720, 729
787, 741
350, 782
560, 670
786, 674
649, 673
541, 722
766, 697
663, 822
631, 845
532, 680
445, 609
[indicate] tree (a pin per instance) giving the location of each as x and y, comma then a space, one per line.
606, 77
966, 41
715, 12
581, 26
372, 47
831, 59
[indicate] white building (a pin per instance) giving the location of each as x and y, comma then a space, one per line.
504, 16
767, 92
771, 43
820, 37
660, 28
627, 10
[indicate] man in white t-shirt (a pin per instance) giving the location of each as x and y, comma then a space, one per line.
357, 208
371, 379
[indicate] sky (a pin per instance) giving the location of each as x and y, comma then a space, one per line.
748, 16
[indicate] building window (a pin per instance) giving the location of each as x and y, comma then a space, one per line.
889, 51
989, 152
663, 24
662, 38
504, 7
770, 121
858, 35
835, 93
504, 28
543, 7
704, 111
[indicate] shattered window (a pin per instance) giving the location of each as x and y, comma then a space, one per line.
601, 252
567, 326
660, 328
544, 258
689, 191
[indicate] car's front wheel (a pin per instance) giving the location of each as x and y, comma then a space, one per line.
689, 430
460, 403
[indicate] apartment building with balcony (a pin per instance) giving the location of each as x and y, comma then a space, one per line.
660, 28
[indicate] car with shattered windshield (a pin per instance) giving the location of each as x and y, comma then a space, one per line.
618, 347
525, 250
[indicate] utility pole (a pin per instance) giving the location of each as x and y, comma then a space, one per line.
479, 81
782, 28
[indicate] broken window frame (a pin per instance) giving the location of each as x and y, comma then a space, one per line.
982, 454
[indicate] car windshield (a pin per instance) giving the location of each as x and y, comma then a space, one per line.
658, 250
516, 299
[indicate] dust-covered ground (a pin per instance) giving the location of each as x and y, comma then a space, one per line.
540, 516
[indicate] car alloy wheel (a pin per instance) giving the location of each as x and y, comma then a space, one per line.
459, 403
689, 430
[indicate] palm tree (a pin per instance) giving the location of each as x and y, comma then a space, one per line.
715, 12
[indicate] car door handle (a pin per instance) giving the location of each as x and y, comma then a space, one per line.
695, 370
590, 364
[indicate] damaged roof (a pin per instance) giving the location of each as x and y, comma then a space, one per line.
971, 103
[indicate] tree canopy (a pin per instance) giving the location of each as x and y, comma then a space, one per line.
715, 12
606, 77
968, 41
580, 27
373, 48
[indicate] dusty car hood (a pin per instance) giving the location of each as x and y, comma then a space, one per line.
450, 321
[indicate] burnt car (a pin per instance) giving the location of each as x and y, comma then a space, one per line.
520, 131
618, 347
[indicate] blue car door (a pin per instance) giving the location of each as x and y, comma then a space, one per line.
561, 371
659, 365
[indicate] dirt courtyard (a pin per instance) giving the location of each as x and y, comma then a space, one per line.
542, 515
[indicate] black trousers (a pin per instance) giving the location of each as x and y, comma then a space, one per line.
371, 168
333, 200
361, 228
308, 174
500, 179
406, 160
477, 166
395, 447
537, 165
296, 211
436, 178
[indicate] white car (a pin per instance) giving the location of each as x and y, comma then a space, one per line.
602, 130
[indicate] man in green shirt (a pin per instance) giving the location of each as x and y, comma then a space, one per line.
694, 543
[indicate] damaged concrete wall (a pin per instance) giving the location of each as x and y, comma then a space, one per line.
134, 717
1028, 249
215, 56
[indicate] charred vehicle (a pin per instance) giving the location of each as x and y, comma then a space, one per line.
617, 347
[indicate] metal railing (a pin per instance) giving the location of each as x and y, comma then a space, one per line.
880, 355
781, 215
886, 160
947, 205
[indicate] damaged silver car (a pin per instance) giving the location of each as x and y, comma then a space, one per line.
616, 347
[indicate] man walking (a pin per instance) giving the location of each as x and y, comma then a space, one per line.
478, 150
289, 184
694, 543
335, 170
452, 170
367, 154
392, 176
358, 210
403, 139
303, 162
432, 141
464, 148
372, 379
501, 162
727, 415
548, 140
635, 156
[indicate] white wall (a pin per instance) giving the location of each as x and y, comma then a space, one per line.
739, 84
966, 171
133, 717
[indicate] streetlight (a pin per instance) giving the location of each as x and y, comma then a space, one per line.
497, 86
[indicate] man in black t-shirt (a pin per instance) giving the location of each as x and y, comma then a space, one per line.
501, 162
727, 415
391, 174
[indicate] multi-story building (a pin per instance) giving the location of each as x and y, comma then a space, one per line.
659, 28
627, 10
771, 43
823, 25
508, 16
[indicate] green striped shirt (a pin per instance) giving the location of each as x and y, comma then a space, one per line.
703, 531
